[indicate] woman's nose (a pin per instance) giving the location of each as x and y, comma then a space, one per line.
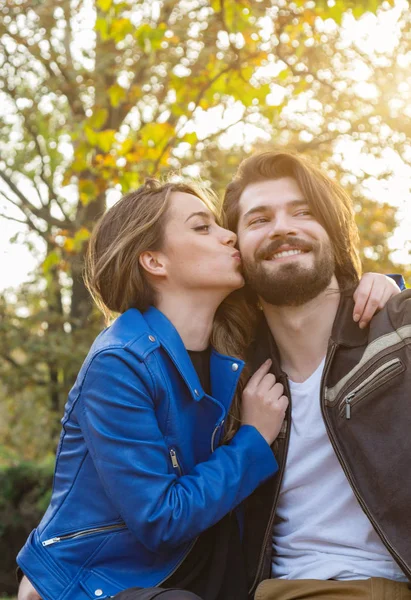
229, 237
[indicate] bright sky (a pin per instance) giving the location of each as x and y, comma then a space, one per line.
18, 262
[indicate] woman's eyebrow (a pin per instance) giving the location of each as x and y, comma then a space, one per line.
200, 213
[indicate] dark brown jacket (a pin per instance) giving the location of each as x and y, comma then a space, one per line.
366, 406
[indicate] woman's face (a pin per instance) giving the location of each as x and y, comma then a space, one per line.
197, 252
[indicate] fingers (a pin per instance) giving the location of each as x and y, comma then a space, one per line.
266, 384
283, 403
361, 296
255, 379
275, 391
389, 291
372, 294
371, 307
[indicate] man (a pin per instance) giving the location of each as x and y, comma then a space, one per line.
338, 513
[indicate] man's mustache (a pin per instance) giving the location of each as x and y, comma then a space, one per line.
272, 247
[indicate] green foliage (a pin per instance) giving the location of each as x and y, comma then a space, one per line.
24, 495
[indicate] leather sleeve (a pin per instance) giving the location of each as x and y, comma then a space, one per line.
116, 413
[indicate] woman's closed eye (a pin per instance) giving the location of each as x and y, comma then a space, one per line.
202, 228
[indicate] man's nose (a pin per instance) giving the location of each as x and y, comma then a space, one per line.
282, 225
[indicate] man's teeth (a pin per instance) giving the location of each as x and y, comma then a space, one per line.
287, 253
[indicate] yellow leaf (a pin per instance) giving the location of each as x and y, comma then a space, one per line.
120, 28
125, 147
104, 5
116, 94
191, 138
69, 245
81, 236
87, 190
102, 28
105, 139
98, 118
92, 136
52, 259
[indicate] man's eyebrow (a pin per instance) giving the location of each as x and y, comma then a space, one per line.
200, 213
261, 208
257, 209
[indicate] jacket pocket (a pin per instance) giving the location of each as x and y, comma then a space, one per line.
84, 533
99, 586
376, 379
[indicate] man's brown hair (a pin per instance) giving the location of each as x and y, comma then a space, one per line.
329, 203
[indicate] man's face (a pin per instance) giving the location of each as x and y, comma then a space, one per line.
287, 255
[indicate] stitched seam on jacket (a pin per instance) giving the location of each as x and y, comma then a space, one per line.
384, 342
69, 490
167, 386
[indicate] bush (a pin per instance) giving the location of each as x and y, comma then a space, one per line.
25, 491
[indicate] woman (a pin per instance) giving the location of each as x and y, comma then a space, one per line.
142, 483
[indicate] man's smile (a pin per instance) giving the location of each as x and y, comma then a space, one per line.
285, 254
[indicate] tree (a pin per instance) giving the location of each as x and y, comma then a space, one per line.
100, 94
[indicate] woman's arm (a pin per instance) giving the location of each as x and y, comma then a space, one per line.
371, 295
117, 416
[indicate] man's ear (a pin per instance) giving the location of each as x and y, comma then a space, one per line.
153, 263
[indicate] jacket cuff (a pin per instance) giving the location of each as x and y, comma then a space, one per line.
258, 451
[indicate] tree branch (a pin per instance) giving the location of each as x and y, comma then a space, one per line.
40, 213
9, 218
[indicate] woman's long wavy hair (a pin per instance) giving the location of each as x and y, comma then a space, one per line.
117, 281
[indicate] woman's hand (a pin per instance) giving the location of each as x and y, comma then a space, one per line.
264, 403
27, 591
371, 295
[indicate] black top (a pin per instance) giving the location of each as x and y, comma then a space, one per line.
214, 568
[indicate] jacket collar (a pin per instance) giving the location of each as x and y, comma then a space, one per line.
172, 343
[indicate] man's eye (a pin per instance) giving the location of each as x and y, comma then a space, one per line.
202, 228
258, 221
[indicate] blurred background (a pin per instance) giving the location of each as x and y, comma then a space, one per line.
97, 95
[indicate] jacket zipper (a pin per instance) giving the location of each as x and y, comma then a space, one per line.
380, 376
83, 533
269, 528
174, 461
217, 428
354, 488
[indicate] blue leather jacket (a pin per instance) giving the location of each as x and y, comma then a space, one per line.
139, 471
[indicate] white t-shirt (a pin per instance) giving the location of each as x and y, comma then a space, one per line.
321, 531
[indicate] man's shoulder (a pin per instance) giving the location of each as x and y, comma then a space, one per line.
399, 309
395, 316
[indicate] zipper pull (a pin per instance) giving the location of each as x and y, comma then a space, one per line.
174, 460
50, 541
348, 405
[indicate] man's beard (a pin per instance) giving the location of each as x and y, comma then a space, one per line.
290, 284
